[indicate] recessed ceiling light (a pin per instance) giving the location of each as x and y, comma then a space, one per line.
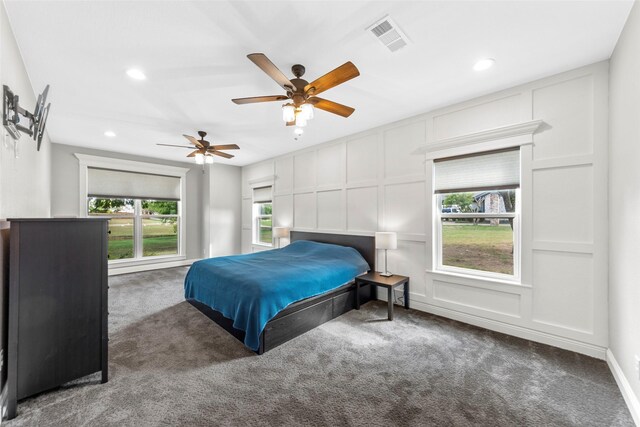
484, 64
136, 74
110, 134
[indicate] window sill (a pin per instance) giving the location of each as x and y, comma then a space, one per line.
115, 264
262, 245
484, 279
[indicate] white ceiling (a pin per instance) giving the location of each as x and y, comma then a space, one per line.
194, 55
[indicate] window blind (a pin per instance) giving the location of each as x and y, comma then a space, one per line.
262, 195
109, 183
495, 170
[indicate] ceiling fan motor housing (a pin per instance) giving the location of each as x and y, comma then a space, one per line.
298, 70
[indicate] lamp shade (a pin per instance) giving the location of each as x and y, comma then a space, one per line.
288, 112
301, 121
307, 111
280, 232
386, 240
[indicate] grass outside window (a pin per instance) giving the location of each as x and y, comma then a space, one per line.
482, 247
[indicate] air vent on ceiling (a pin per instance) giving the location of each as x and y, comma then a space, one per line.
389, 34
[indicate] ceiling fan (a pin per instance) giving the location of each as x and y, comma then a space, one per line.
300, 93
204, 150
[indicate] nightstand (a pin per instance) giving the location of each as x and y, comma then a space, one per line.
391, 282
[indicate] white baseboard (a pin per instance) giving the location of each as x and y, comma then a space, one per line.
114, 271
517, 331
625, 388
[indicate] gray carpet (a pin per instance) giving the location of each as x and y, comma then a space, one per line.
170, 365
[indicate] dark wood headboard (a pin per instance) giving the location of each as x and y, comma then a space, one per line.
366, 245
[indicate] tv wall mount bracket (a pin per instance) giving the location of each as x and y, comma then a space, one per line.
13, 115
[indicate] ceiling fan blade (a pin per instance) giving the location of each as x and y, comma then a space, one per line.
265, 64
193, 141
221, 154
181, 146
254, 99
293, 123
343, 73
224, 147
193, 154
330, 106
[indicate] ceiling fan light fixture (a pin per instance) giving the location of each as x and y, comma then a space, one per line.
288, 113
298, 131
301, 121
307, 111
199, 159
208, 160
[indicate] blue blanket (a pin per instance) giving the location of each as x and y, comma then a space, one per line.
251, 289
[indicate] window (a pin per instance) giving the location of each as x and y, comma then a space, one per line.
477, 214
262, 220
159, 221
121, 224
139, 228
143, 211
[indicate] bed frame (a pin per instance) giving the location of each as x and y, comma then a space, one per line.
305, 315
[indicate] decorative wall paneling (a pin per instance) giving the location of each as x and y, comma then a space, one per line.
381, 179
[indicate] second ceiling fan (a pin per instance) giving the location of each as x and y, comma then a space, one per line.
301, 93
204, 150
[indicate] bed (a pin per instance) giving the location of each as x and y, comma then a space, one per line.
297, 317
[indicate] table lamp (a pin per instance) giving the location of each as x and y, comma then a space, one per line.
386, 240
280, 232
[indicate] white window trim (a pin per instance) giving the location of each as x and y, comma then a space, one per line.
86, 161
510, 136
265, 181
499, 138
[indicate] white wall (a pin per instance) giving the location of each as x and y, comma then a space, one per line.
379, 180
24, 180
624, 207
222, 210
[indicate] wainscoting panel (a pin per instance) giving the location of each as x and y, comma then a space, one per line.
331, 163
452, 295
331, 211
563, 200
283, 211
404, 207
304, 171
362, 209
486, 114
567, 109
408, 260
400, 143
246, 213
563, 290
362, 159
304, 211
246, 240
284, 175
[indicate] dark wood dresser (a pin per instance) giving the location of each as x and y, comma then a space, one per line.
57, 322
